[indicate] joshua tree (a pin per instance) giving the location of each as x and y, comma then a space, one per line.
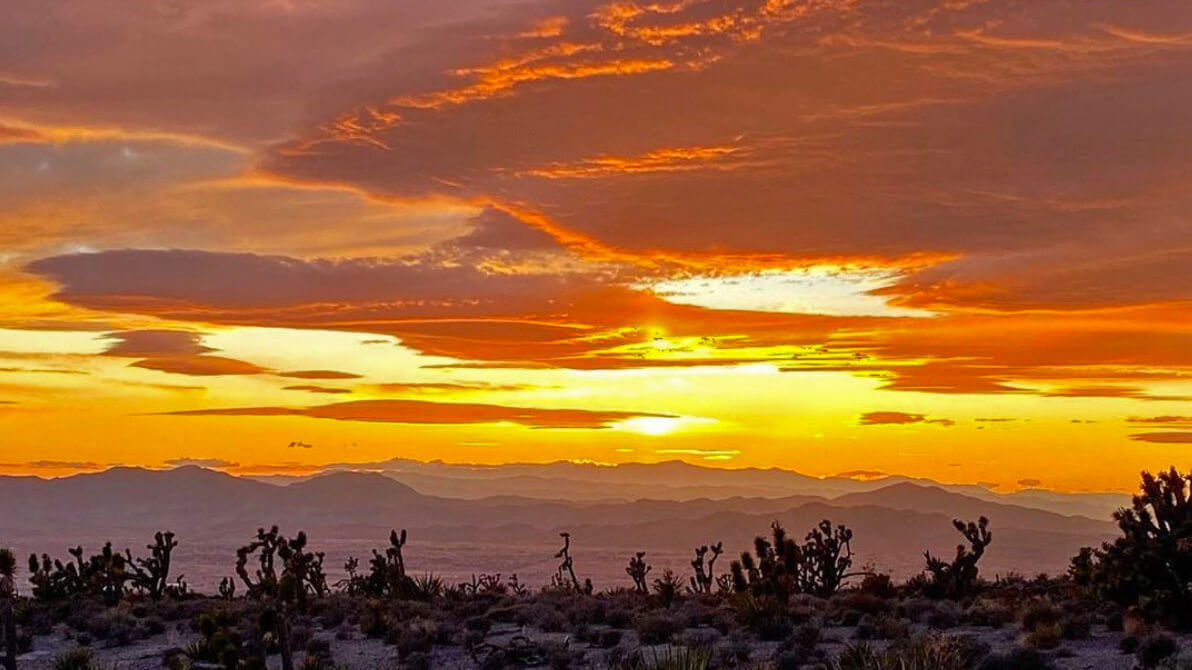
704, 573
152, 574
227, 588
565, 578
387, 576
637, 571
8, 593
104, 574
828, 555
1150, 565
956, 579
783, 567
301, 571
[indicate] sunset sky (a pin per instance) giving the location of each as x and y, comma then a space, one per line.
940, 238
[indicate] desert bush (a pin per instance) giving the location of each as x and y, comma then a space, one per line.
1155, 648
1040, 613
882, 627
766, 618
878, 585
1018, 659
924, 653
79, 658
657, 628
675, 658
1044, 636
1076, 626
986, 612
667, 587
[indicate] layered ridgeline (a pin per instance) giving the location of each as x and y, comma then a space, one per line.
345, 513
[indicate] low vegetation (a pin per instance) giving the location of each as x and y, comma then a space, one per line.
786, 604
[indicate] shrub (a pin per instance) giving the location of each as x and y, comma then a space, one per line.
1155, 648
657, 628
1128, 644
79, 658
1044, 636
984, 612
924, 653
1019, 659
678, 658
766, 617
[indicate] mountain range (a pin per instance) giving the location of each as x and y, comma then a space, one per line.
347, 512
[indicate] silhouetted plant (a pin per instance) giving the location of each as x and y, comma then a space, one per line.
782, 567
152, 574
387, 576
8, 594
516, 587
485, 584
79, 658
1150, 565
666, 587
104, 574
221, 643
704, 567
355, 583
227, 588
564, 579
637, 571
300, 572
957, 578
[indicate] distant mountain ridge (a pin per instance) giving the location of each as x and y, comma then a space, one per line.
679, 480
894, 524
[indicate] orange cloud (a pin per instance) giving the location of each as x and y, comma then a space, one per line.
899, 418
1164, 438
310, 388
425, 412
318, 374
201, 366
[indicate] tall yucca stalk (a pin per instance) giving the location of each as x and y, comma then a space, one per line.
8, 592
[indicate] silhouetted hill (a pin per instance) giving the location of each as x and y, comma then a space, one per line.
676, 480
893, 524
933, 499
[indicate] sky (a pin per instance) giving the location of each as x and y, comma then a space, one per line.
939, 238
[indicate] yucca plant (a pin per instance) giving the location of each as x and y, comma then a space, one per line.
674, 658
925, 653
8, 593
79, 658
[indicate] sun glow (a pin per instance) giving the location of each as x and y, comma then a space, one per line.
815, 290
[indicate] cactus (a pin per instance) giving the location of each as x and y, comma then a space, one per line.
957, 578
637, 571
783, 567
8, 594
704, 568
